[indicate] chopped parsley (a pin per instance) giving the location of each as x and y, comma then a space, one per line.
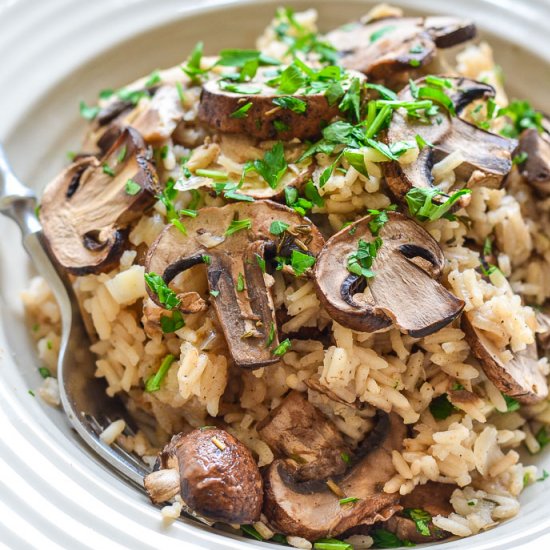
245, 89
166, 296
31, 393
301, 262
108, 170
215, 293
331, 544
231, 191
121, 154
384, 92
212, 174
542, 437
272, 167
242, 111
206, 259
360, 262
171, 324
153, 383
441, 407
520, 158
345, 457
278, 227
154, 78
282, 348
544, 477
240, 282
261, 263
421, 519
132, 188
179, 88
377, 35
522, 116
251, 531
379, 218
280, 126
511, 403
167, 198
352, 100
238, 225
348, 500
178, 225
291, 80
271, 335
385, 539
88, 112
45, 372
421, 205
193, 66
293, 103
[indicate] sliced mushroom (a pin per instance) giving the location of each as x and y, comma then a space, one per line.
247, 316
217, 108
312, 510
536, 167
487, 156
214, 473
519, 378
86, 212
382, 47
404, 290
433, 498
297, 430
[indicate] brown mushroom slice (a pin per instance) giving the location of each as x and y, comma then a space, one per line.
519, 378
433, 498
246, 316
397, 44
217, 107
404, 290
214, 473
310, 509
298, 430
543, 330
536, 167
85, 211
487, 156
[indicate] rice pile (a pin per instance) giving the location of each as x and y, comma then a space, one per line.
476, 447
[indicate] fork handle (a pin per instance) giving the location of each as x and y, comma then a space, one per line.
17, 201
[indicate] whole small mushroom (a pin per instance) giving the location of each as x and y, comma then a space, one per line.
214, 473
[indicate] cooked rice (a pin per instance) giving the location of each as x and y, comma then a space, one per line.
473, 448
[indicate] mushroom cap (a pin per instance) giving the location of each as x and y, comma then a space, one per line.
309, 509
85, 212
216, 107
397, 44
536, 168
247, 317
487, 156
298, 430
222, 485
404, 290
520, 378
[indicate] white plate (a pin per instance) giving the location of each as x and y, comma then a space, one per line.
54, 494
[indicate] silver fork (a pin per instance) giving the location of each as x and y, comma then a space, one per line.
83, 396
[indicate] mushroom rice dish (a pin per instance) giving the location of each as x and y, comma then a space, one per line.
315, 272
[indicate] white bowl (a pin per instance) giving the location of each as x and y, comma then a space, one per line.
55, 494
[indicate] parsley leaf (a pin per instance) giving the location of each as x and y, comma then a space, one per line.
293, 103
153, 383
273, 166
88, 112
542, 437
291, 80
421, 518
242, 111
171, 324
238, 225
301, 262
381, 32
360, 262
522, 116
166, 296
132, 188
511, 403
278, 227
282, 348
245, 89
385, 539
193, 66
240, 282
352, 99
45, 372
441, 407
421, 205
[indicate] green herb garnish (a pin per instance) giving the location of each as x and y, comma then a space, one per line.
293, 103
441, 407
301, 262
360, 262
166, 296
385, 539
273, 166
132, 188
88, 112
240, 282
421, 205
278, 227
242, 111
282, 348
238, 225
421, 518
153, 383
171, 324
45, 372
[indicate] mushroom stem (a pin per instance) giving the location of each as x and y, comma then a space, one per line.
162, 485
